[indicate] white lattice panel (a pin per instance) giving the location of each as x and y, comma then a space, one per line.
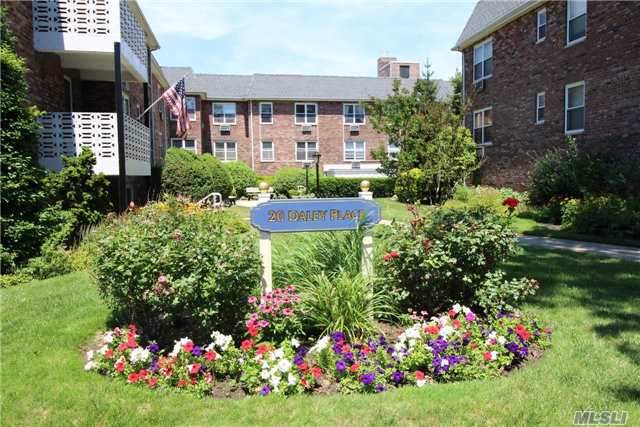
132, 33
65, 134
137, 147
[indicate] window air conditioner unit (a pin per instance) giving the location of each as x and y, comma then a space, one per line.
307, 129
355, 165
225, 128
354, 128
480, 85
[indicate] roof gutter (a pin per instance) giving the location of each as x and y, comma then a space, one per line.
515, 14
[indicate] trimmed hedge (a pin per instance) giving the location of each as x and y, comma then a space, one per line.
195, 176
242, 176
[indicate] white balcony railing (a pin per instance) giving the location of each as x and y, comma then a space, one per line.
90, 26
65, 134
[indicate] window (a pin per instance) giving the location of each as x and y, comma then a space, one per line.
306, 114
354, 151
225, 150
305, 150
353, 114
541, 25
540, 108
68, 95
483, 60
405, 71
266, 151
186, 144
266, 112
126, 106
224, 113
574, 108
576, 21
191, 107
393, 150
482, 123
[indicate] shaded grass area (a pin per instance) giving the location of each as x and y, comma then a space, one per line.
594, 363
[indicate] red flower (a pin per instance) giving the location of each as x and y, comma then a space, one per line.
486, 355
303, 366
181, 383
119, 366
152, 382
365, 349
142, 374
246, 345
262, 349
133, 328
419, 375
194, 368
452, 313
252, 331
391, 255
123, 346
456, 324
511, 202
354, 368
131, 340
316, 372
210, 355
108, 354
432, 329
304, 382
522, 332
188, 346
133, 378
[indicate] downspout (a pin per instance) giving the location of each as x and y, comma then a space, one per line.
253, 162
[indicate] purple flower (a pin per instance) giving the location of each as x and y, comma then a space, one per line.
153, 347
442, 364
340, 366
298, 359
382, 340
438, 345
265, 390
197, 351
523, 352
368, 378
338, 336
397, 377
337, 348
470, 316
154, 365
379, 388
348, 357
512, 347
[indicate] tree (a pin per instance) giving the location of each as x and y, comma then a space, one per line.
430, 135
21, 177
457, 106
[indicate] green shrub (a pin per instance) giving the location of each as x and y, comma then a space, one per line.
410, 186
173, 268
53, 261
496, 294
462, 193
444, 260
286, 179
18, 278
605, 215
554, 177
343, 303
194, 176
242, 176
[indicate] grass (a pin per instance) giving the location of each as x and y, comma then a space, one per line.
594, 363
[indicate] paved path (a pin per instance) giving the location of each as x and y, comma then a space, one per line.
614, 251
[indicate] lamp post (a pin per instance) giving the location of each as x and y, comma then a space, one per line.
306, 177
316, 156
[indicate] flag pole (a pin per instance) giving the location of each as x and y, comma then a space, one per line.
159, 98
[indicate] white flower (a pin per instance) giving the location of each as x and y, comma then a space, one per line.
402, 337
108, 337
456, 308
221, 340
265, 365
278, 353
90, 355
320, 345
89, 366
444, 362
139, 354
295, 343
502, 340
413, 332
420, 383
292, 379
102, 350
494, 355
466, 310
265, 374
492, 335
443, 320
275, 382
412, 343
445, 331
284, 366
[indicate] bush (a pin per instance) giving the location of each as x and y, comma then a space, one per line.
53, 261
410, 186
173, 267
610, 215
194, 176
554, 177
344, 303
331, 186
435, 263
242, 176
286, 179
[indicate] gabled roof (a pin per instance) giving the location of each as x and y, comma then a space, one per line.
290, 86
489, 15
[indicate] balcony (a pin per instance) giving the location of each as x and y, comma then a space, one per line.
83, 32
65, 134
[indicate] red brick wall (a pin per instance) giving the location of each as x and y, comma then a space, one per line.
45, 77
608, 62
330, 133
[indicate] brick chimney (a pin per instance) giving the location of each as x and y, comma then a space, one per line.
389, 66
384, 66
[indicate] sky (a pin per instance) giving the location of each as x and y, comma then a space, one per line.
322, 37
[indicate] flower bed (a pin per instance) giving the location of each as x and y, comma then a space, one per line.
457, 345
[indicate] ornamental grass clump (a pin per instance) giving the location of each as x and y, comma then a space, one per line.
173, 266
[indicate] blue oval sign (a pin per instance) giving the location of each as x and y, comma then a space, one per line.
281, 216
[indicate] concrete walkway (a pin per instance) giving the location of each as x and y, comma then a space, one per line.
622, 252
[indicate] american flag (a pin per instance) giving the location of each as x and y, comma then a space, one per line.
175, 99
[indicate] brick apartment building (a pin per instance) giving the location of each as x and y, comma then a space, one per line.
536, 72
74, 71
269, 121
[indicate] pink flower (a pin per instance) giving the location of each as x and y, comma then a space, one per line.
470, 316
287, 312
266, 309
252, 299
263, 323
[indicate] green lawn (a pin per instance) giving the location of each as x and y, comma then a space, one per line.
594, 363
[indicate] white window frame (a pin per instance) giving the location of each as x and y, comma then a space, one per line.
475, 61
400, 67
355, 151
195, 108
226, 150
262, 150
308, 158
391, 151
224, 121
583, 106
538, 106
546, 27
260, 113
306, 121
183, 144
583, 38
483, 110
344, 114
